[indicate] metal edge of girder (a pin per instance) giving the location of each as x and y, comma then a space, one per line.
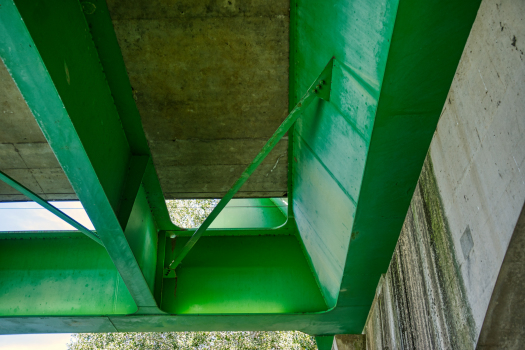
20, 235
317, 323
32, 76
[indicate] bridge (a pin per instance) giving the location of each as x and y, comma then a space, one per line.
316, 116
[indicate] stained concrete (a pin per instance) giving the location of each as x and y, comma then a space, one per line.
349, 342
210, 79
25, 154
421, 302
478, 150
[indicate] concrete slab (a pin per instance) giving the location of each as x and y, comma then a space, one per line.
210, 79
24, 152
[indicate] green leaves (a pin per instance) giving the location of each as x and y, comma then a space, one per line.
190, 213
194, 340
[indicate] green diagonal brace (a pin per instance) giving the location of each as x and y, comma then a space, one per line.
27, 192
321, 89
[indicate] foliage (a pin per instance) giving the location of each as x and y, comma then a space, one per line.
194, 340
191, 213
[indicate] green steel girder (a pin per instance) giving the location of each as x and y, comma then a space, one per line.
246, 217
50, 54
395, 64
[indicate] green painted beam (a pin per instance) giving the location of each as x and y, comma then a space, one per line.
363, 151
27, 192
39, 234
321, 323
320, 88
64, 274
281, 230
254, 213
241, 275
49, 52
426, 46
243, 215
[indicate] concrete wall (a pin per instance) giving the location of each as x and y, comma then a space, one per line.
421, 302
470, 194
504, 320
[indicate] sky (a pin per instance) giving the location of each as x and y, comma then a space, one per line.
34, 341
29, 216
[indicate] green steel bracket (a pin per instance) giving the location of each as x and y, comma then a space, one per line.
27, 192
169, 273
320, 88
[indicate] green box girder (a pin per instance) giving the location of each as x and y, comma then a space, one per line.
354, 164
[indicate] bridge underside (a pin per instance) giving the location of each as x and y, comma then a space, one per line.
125, 104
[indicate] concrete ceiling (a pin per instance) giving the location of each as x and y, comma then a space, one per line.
25, 154
210, 79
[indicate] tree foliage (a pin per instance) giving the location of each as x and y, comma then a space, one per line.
188, 214
194, 340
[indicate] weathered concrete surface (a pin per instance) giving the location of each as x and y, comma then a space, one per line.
478, 150
464, 211
210, 79
349, 342
504, 325
24, 152
421, 302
